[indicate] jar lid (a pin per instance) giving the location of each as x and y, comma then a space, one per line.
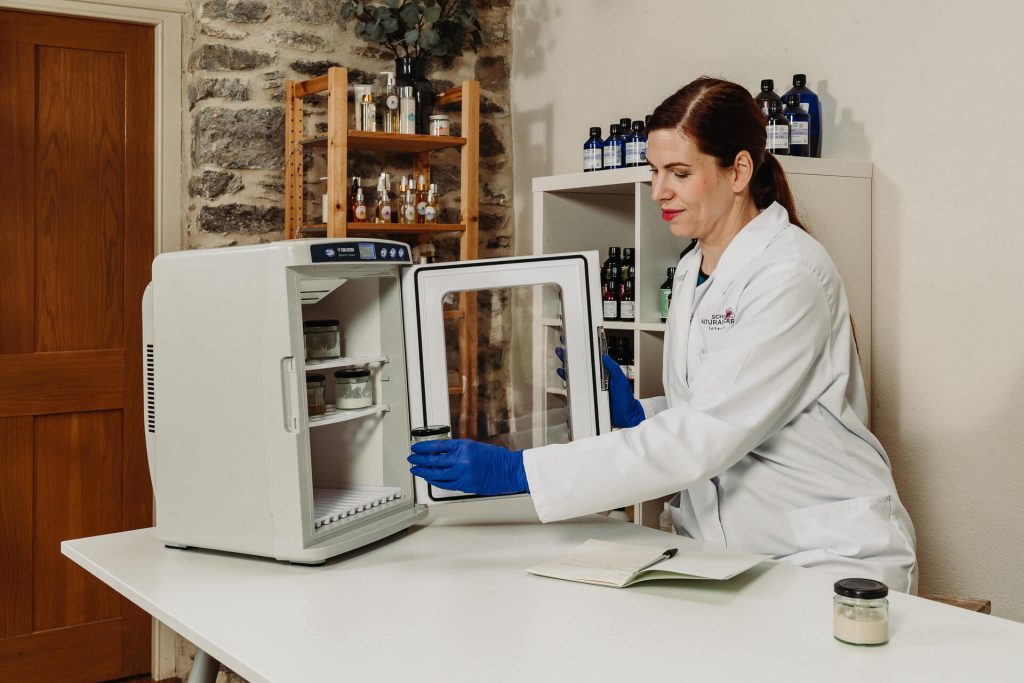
862, 589
352, 373
314, 378
319, 323
439, 117
430, 430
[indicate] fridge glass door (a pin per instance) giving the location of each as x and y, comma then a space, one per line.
481, 339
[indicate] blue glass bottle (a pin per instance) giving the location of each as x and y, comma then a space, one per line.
636, 147
641, 132
810, 103
799, 138
593, 151
614, 149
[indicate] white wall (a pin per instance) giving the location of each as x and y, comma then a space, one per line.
930, 92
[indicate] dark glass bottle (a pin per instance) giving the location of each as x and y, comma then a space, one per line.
593, 154
767, 96
812, 105
614, 152
352, 200
625, 125
409, 71
640, 131
627, 301
665, 293
799, 144
610, 272
777, 128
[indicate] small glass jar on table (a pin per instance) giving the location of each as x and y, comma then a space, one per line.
860, 612
352, 389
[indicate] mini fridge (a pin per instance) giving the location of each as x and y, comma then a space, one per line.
242, 454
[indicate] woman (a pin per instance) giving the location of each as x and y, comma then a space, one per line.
762, 426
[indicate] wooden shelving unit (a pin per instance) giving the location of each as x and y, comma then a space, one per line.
339, 140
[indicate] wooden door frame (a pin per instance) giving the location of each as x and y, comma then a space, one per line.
167, 18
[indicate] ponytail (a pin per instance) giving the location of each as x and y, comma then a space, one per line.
769, 185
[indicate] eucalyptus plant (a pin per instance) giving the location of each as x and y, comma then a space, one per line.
417, 28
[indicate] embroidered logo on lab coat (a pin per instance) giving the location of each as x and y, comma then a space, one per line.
719, 321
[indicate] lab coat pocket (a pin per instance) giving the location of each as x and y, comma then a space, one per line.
858, 527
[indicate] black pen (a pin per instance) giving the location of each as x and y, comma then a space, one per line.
664, 556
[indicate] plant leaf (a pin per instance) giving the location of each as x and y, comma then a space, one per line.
432, 14
393, 4
412, 36
432, 37
410, 14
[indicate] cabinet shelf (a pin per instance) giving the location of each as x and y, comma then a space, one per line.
401, 143
320, 229
343, 362
333, 415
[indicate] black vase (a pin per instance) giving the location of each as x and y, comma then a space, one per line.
409, 71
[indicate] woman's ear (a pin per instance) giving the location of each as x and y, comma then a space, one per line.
743, 171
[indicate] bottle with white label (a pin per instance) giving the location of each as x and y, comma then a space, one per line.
360, 207
610, 270
634, 150
406, 110
387, 101
799, 127
812, 105
614, 155
592, 150
777, 127
430, 210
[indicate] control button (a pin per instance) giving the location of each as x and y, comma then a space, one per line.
329, 253
393, 252
401, 252
383, 252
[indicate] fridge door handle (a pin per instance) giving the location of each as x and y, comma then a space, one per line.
290, 391
602, 349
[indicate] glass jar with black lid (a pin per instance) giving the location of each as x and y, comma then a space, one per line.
352, 389
430, 433
860, 612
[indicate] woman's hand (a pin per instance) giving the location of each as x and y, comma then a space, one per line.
626, 410
469, 466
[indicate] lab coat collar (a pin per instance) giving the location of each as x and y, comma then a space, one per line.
749, 242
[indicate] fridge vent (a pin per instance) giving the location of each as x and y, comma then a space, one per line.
315, 289
150, 392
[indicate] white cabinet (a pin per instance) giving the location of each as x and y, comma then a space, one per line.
604, 209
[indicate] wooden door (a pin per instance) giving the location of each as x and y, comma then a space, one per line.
76, 243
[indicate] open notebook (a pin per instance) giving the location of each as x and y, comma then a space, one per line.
620, 565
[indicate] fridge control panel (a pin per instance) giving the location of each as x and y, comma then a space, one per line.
360, 251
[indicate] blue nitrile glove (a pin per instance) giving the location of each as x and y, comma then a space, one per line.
469, 466
626, 410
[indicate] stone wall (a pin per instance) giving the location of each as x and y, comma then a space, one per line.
240, 52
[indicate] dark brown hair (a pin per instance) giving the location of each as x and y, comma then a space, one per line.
722, 119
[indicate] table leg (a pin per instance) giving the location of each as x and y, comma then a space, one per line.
204, 668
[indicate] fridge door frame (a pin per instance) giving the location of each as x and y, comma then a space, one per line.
576, 274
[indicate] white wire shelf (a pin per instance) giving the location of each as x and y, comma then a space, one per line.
344, 362
332, 506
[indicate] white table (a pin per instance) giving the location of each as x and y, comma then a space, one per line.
450, 601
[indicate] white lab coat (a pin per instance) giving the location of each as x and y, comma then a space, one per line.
762, 428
